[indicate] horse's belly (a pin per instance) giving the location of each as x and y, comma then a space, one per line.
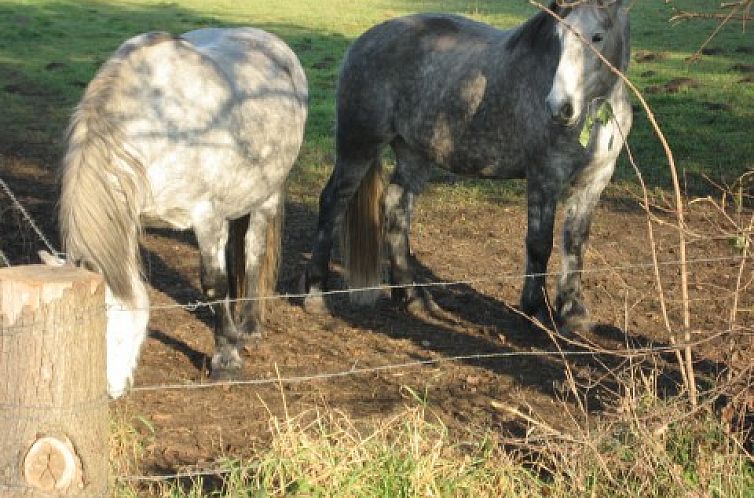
501, 168
227, 185
475, 149
482, 160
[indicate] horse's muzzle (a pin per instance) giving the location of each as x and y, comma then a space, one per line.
562, 112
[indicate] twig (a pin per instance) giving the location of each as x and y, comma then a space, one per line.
714, 33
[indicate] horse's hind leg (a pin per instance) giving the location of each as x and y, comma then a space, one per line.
407, 182
584, 194
212, 236
261, 249
350, 169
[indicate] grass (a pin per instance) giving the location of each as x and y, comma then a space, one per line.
51, 48
327, 454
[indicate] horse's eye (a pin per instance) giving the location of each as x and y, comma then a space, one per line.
597, 38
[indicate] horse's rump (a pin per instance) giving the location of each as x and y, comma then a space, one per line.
166, 125
102, 180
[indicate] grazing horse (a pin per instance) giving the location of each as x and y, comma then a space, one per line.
534, 102
192, 132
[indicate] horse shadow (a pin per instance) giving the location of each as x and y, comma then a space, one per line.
499, 328
464, 301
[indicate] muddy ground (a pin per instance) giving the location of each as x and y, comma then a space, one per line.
477, 242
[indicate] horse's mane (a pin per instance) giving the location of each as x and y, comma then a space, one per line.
101, 182
538, 30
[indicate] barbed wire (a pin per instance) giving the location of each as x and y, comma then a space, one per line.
21, 209
297, 379
356, 371
200, 304
217, 472
353, 371
193, 306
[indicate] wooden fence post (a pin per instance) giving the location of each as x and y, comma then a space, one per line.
53, 387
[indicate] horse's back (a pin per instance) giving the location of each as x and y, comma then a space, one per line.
443, 83
263, 58
216, 116
211, 81
416, 47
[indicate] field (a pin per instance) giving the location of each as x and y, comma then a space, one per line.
478, 382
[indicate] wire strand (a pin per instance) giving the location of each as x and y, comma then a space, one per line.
503, 278
21, 209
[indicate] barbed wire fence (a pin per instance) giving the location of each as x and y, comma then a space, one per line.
587, 350
29, 220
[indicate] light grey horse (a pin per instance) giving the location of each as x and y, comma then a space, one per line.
192, 132
535, 102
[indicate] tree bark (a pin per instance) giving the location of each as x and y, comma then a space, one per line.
53, 387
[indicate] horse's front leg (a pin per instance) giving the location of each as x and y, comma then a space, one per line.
212, 236
541, 201
579, 207
584, 194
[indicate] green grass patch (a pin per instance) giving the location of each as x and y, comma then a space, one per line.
412, 454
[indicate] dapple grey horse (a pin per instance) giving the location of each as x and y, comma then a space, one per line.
534, 102
192, 132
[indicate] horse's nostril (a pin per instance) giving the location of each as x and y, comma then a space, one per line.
567, 110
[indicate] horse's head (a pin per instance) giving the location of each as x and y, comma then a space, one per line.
581, 76
126, 330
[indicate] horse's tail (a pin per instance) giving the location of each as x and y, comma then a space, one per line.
235, 262
361, 239
102, 185
268, 269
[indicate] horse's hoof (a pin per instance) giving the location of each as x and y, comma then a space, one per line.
575, 325
315, 305
225, 374
253, 337
226, 365
415, 307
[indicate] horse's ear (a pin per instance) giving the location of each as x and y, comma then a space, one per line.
614, 5
50, 259
610, 4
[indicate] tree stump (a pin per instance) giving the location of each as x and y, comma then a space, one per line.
53, 385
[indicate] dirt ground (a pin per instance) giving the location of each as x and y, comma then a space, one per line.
478, 243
